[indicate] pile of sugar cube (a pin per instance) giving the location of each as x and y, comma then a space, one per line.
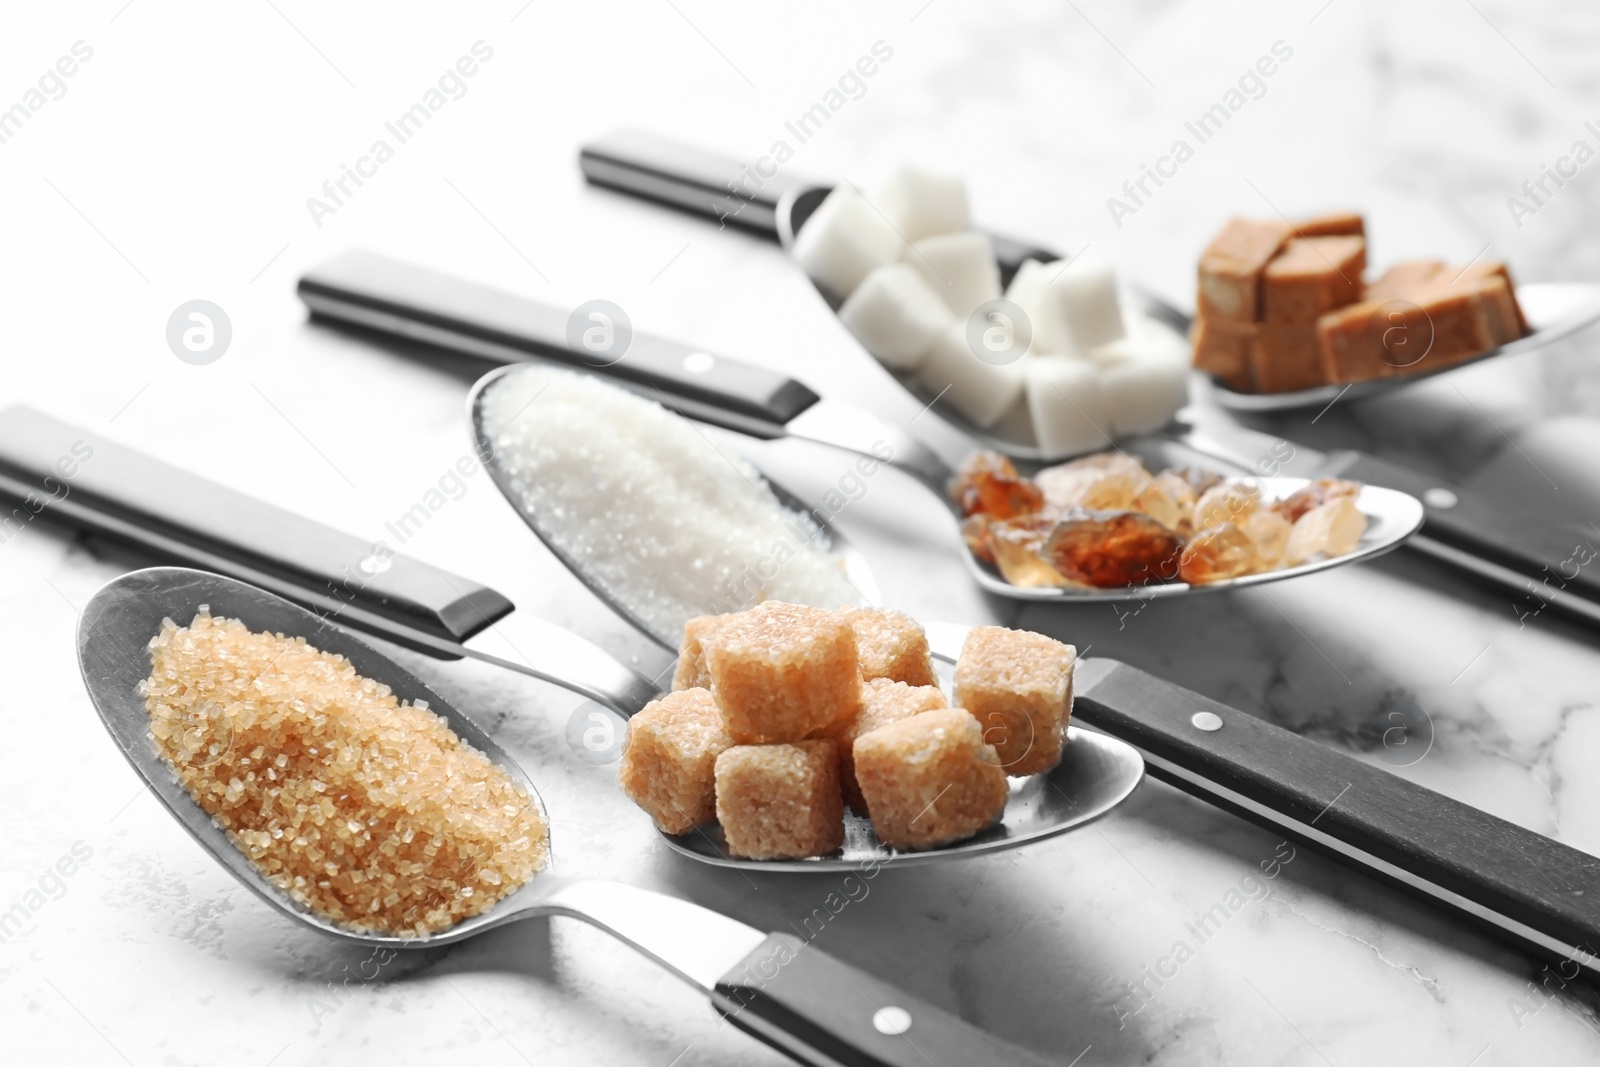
783, 714
1077, 368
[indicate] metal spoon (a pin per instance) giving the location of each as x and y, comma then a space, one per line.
806, 1004
397, 298
1553, 310
687, 178
1096, 774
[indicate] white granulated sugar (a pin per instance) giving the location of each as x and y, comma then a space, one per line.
666, 523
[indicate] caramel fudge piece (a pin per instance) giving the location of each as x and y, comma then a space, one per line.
1356, 340
1285, 359
893, 645
1019, 686
1335, 224
1222, 350
1460, 325
1509, 311
882, 702
1312, 275
668, 765
1230, 268
781, 671
1404, 281
930, 779
691, 671
780, 801
1377, 339
1500, 270
1497, 306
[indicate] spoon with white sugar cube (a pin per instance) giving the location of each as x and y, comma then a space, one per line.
1027, 353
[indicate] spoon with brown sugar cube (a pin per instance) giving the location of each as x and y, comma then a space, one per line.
536, 426
1540, 895
774, 987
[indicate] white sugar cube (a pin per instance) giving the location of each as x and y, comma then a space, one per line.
1144, 383
1030, 291
1067, 405
844, 240
960, 267
979, 390
923, 203
1085, 295
896, 316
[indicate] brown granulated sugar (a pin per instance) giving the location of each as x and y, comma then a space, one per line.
370, 812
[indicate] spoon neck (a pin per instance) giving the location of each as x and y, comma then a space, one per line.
696, 944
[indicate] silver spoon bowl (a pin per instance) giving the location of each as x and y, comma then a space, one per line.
1097, 773
114, 633
714, 954
1554, 310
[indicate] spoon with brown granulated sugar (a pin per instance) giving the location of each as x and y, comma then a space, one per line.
352, 799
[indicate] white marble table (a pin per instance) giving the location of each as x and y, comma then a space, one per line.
176, 163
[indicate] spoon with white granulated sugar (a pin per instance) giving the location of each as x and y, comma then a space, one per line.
663, 526
806, 1004
1460, 857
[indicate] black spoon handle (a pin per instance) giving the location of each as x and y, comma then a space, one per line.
52, 469
731, 193
378, 293
1532, 889
683, 177
1543, 559
818, 1010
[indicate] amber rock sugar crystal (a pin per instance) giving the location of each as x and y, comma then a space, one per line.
1110, 549
370, 812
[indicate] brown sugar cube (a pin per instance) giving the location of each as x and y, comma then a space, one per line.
1312, 275
1019, 686
1286, 359
893, 645
780, 672
930, 779
1221, 349
691, 671
1404, 280
780, 802
1231, 266
1335, 224
882, 702
668, 765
